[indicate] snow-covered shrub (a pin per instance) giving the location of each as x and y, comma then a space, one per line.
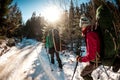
10, 42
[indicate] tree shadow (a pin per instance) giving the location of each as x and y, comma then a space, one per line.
38, 72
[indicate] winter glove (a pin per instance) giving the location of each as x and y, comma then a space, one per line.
78, 58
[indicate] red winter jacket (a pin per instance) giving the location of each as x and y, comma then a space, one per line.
92, 45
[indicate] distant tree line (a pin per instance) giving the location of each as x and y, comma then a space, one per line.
33, 27
11, 24
36, 27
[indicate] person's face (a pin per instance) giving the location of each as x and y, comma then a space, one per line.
83, 29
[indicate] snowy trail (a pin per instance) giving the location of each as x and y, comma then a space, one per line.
46, 67
17, 65
13, 63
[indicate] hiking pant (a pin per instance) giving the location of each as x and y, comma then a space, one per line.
52, 54
86, 73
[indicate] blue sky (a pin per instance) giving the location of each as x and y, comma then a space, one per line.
27, 7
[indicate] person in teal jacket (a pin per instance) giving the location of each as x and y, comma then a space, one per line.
52, 43
49, 41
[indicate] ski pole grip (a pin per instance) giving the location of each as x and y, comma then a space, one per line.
78, 52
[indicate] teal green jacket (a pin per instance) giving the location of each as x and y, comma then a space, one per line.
49, 41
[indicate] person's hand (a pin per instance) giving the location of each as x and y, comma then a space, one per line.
78, 58
43, 41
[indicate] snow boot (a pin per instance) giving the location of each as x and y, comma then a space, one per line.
52, 61
88, 77
59, 69
60, 64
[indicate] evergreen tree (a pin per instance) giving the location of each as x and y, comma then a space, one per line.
71, 24
4, 10
63, 26
10, 18
14, 20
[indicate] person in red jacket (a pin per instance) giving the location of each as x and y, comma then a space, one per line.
92, 45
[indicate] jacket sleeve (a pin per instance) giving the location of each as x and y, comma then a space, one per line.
91, 42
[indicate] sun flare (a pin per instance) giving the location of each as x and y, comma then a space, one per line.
52, 13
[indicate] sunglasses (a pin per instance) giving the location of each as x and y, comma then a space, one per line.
84, 19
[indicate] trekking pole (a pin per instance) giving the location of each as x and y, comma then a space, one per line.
76, 65
75, 69
107, 73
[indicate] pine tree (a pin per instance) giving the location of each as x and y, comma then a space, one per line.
14, 20
10, 18
63, 26
71, 24
4, 10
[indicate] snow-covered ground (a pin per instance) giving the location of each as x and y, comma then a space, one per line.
69, 61
28, 60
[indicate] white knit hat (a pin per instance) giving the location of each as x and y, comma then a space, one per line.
84, 21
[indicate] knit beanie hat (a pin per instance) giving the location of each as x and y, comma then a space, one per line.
84, 21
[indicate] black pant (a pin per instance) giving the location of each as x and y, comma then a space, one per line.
52, 54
